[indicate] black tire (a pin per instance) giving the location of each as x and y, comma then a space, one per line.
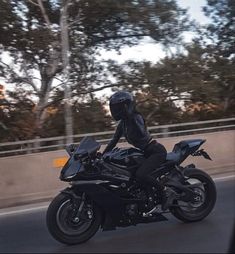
208, 204
55, 229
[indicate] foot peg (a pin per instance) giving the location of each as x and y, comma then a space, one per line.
150, 213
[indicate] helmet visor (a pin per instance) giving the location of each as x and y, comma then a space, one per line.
118, 110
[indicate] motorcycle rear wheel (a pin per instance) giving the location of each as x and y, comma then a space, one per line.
67, 230
198, 210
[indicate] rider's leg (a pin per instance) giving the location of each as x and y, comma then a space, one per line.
156, 155
143, 173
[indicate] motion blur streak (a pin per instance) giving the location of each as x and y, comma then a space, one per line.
26, 232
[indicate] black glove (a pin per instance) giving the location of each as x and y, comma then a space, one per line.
72, 147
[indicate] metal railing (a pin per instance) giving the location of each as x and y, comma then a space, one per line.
57, 143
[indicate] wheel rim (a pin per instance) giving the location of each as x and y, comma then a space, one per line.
200, 202
73, 226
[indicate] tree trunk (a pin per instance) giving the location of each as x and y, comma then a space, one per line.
228, 98
41, 107
65, 60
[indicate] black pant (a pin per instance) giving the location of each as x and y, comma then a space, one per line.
156, 155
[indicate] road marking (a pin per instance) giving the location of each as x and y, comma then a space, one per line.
23, 210
217, 179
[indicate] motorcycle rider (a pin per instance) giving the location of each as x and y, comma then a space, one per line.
132, 126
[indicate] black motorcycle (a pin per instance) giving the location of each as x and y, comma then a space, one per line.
104, 193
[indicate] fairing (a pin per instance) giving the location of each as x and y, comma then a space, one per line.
126, 157
87, 146
183, 149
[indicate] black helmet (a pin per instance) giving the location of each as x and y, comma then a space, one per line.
121, 105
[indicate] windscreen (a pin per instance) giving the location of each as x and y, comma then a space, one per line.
73, 165
71, 168
87, 144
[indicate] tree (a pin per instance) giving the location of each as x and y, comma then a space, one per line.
221, 48
89, 116
31, 32
17, 116
153, 87
221, 30
193, 79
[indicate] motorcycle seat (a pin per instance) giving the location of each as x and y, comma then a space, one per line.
173, 157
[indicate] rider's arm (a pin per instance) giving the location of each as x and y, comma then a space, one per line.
139, 121
118, 133
140, 128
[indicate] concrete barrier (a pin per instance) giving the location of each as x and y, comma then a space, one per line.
34, 177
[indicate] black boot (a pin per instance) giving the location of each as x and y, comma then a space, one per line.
154, 188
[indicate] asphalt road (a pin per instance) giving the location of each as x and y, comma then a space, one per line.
26, 232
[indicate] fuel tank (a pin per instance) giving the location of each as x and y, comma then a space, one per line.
125, 157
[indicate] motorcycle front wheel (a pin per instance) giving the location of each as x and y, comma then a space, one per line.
200, 208
67, 228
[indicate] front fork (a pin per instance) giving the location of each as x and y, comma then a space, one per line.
77, 206
77, 209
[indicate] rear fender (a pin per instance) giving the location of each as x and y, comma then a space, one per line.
187, 147
203, 153
187, 170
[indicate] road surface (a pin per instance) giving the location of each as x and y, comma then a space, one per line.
25, 231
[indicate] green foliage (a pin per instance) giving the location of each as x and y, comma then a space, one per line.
17, 117
221, 29
30, 33
89, 116
201, 80
197, 84
92, 24
221, 51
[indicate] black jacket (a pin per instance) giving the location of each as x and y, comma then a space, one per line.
134, 130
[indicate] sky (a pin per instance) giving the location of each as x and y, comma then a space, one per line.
195, 9
151, 51
147, 50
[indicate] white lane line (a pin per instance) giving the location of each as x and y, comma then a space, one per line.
23, 210
217, 179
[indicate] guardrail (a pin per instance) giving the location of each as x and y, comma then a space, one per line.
57, 143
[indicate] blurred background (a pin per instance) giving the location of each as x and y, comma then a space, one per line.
60, 60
